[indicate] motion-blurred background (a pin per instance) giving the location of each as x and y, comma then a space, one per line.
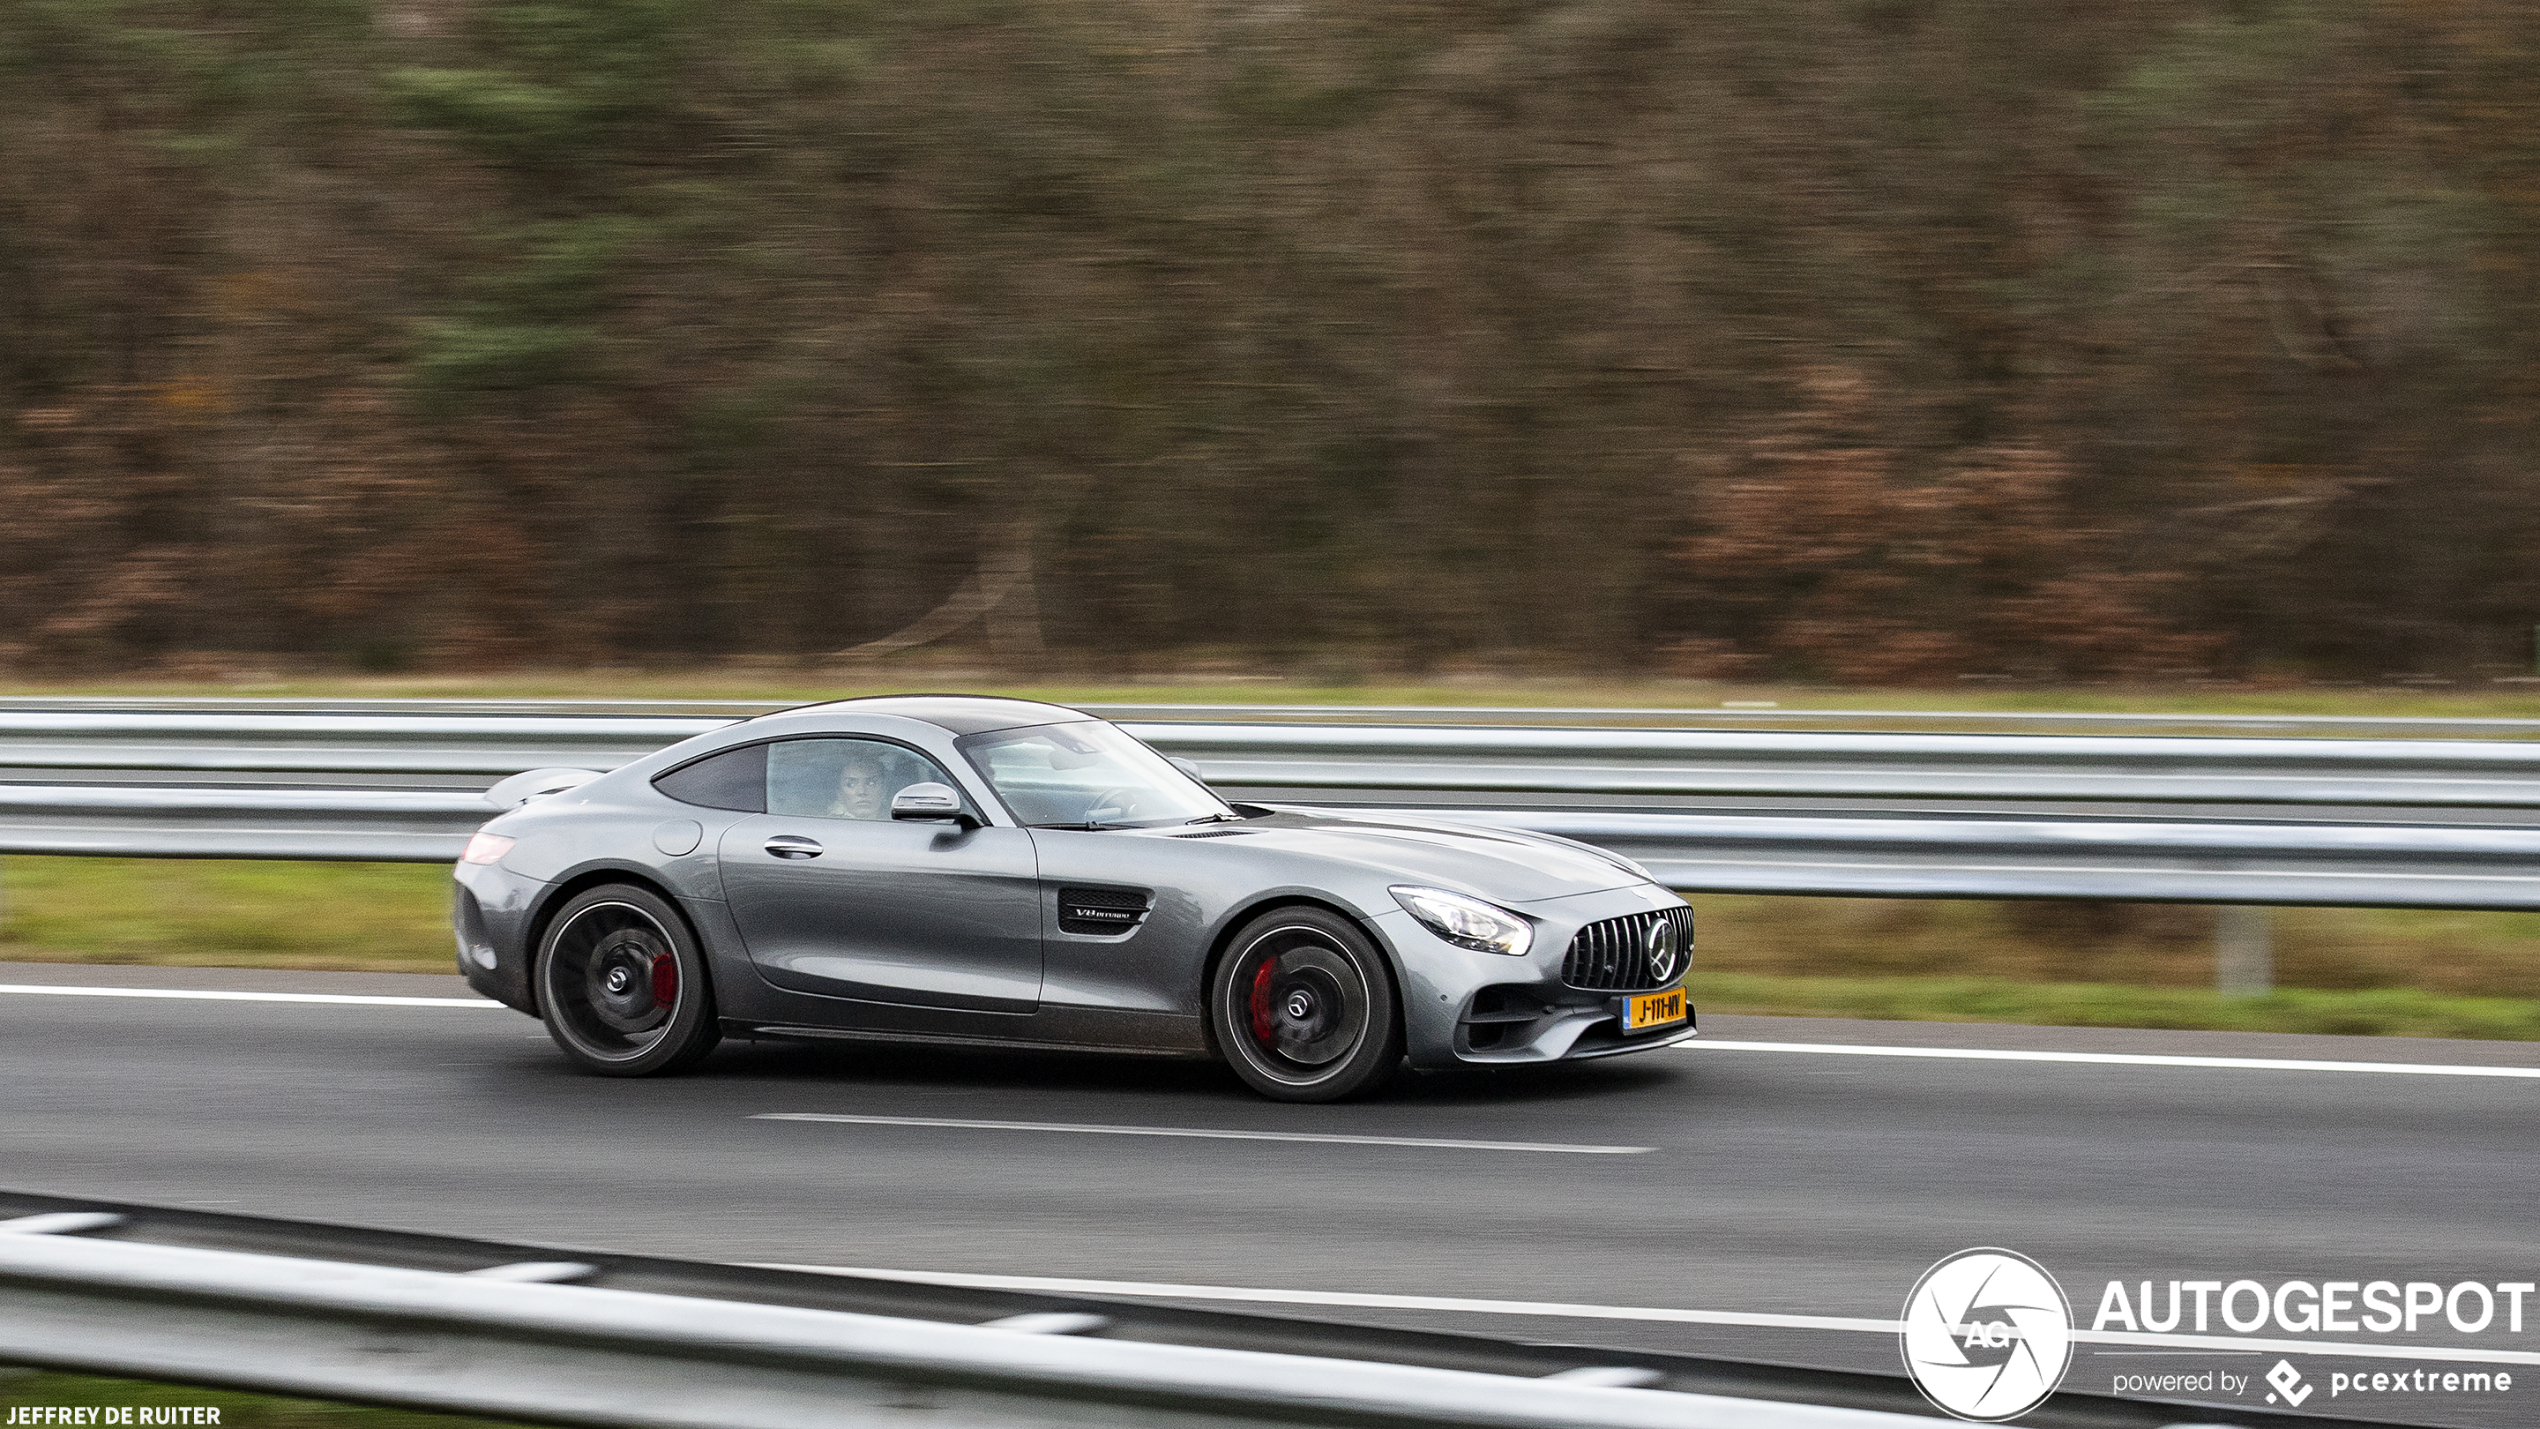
1843, 340
2171, 347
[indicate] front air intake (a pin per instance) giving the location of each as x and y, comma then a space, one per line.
1619, 955
1100, 910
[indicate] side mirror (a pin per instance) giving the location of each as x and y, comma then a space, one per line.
935, 803
1187, 767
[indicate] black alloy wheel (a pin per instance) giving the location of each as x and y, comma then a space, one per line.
1304, 1009
622, 985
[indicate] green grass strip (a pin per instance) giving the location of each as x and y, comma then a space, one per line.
2385, 1012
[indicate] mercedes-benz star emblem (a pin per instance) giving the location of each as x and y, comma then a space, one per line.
1660, 945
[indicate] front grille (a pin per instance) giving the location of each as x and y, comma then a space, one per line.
1613, 956
1100, 910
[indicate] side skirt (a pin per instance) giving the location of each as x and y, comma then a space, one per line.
736, 1028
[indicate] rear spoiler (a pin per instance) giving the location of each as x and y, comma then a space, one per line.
537, 784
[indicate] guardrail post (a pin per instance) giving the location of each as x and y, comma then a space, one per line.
2244, 951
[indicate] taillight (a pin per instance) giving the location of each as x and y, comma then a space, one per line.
487, 848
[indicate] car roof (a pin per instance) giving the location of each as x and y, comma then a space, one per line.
961, 714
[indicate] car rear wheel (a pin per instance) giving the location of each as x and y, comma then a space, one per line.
622, 984
1303, 1008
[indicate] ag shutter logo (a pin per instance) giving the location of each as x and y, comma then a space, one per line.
1988, 1335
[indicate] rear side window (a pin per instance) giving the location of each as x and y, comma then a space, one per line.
845, 778
734, 779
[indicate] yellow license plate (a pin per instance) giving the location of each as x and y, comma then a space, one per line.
1654, 1009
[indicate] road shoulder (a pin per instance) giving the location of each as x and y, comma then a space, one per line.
1835, 1030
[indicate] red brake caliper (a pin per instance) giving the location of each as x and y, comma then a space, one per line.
665, 980
1265, 1023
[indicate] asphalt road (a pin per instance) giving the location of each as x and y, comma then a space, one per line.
1771, 1183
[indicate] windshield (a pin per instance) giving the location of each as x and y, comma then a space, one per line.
1087, 775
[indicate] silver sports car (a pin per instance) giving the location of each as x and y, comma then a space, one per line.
990, 872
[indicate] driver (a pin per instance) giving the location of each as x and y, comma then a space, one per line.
864, 790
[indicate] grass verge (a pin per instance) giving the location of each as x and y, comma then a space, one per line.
238, 1408
2380, 1012
176, 912
2353, 971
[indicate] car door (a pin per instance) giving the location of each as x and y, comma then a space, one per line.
833, 897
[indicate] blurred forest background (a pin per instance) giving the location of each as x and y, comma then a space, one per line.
1855, 340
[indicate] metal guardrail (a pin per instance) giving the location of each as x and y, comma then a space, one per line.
585, 1355
597, 1338
1716, 763
2129, 861
2401, 823
328, 825
2367, 866
1248, 752
350, 749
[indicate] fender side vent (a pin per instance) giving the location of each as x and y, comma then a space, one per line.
1100, 910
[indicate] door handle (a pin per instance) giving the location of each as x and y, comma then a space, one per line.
793, 846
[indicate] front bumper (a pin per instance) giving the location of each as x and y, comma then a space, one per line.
1467, 1008
1588, 1025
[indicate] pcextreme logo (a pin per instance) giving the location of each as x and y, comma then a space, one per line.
1988, 1334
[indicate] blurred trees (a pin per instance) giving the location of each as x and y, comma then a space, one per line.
1843, 339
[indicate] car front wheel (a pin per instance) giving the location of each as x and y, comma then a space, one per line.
622, 984
1304, 1009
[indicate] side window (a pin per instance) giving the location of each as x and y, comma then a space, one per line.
844, 778
734, 779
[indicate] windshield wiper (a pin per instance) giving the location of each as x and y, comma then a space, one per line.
1216, 819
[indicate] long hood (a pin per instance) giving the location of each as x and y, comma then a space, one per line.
1503, 865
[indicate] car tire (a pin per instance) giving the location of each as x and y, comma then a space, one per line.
1303, 1007
622, 984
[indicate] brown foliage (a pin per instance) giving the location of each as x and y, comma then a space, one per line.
1824, 552
1888, 341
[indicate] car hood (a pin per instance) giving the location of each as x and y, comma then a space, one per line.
1503, 865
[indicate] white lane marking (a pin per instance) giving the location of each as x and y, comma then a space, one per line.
1063, 1285
1068, 1285
1664, 865
1977, 1054
2122, 1059
209, 995
1201, 1132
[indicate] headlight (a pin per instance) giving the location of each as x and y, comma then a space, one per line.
1467, 922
